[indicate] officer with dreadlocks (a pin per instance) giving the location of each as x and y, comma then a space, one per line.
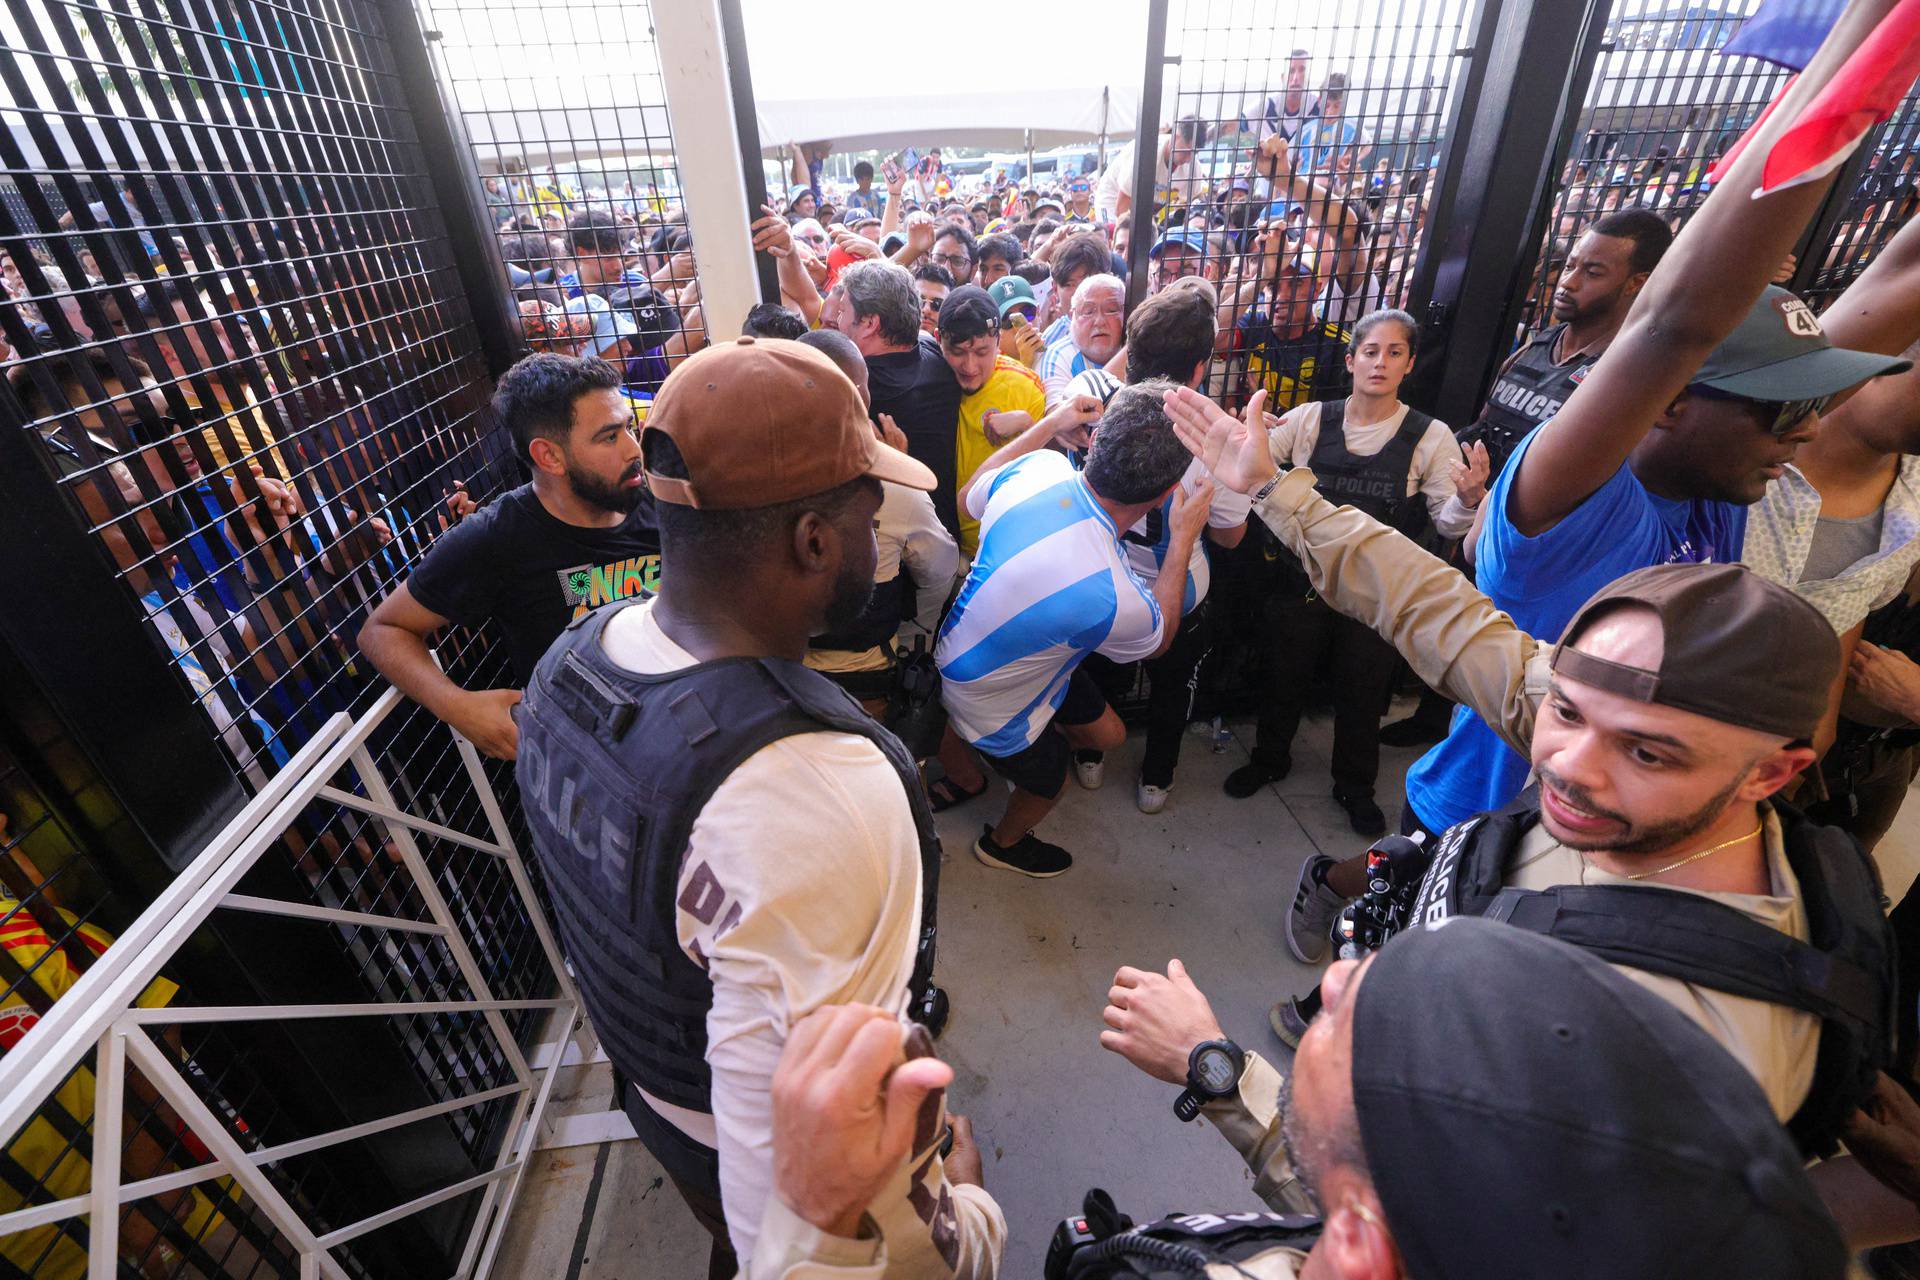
1562, 1122
1680, 701
730, 841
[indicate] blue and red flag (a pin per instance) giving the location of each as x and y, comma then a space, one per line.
1864, 91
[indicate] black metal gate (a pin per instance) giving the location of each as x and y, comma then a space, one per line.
1365, 94
242, 376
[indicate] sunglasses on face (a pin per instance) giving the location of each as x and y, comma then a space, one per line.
1780, 416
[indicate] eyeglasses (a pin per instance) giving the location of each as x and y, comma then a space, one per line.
1088, 313
1781, 416
952, 261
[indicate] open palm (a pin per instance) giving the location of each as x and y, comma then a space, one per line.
1232, 449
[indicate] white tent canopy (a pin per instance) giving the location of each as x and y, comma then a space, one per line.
815, 82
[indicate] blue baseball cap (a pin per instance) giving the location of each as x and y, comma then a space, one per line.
1181, 238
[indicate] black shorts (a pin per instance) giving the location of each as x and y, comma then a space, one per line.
1040, 768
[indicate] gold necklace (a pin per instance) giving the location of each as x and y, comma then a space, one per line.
1692, 857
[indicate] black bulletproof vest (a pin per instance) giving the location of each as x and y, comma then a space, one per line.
1528, 391
1844, 975
614, 767
1376, 483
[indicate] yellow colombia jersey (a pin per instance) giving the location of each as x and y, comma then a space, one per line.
1010, 387
1290, 368
40, 1151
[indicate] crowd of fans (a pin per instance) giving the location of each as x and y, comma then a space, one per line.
1219, 477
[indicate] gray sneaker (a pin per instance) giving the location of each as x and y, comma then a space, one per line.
1315, 908
1288, 1022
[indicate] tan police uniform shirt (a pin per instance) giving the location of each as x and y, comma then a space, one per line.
800, 888
1460, 644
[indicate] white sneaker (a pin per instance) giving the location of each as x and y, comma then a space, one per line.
1315, 907
1151, 799
1090, 773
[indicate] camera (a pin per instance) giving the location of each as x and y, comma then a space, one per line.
1100, 1242
1395, 867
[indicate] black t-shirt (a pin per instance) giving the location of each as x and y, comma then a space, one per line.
513, 562
918, 389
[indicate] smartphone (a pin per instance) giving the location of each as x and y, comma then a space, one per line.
1016, 321
909, 159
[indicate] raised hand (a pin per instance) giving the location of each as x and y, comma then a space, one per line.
1470, 478
1154, 1020
1233, 450
1190, 511
771, 233
854, 245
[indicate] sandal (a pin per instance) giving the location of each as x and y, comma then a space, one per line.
943, 793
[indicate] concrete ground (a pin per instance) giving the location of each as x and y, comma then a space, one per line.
1028, 964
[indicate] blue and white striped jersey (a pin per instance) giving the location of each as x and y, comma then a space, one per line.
1146, 544
1049, 585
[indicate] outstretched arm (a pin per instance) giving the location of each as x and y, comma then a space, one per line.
1451, 634
1694, 299
1880, 311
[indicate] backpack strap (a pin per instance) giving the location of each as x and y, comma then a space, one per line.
1685, 936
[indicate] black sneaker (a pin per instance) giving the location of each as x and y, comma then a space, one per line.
1363, 815
1029, 855
1255, 774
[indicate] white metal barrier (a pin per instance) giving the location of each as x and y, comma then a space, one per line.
100, 1013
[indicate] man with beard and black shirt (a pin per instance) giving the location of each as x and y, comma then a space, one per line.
1603, 275
579, 536
730, 842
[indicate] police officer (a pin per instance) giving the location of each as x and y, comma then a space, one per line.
1597, 285
1479, 1102
1681, 700
1396, 464
729, 840
1603, 274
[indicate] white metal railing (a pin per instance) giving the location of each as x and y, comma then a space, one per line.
99, 1013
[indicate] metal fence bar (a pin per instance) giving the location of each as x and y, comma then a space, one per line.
426, 827
428, 888
110, 1081
353, 919
302, 1012
334, 1239
516, 865
233, 1160
76, 1022
121, 1035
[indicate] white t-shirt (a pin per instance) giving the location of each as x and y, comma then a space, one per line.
1116, 180
1049, 585
819, 907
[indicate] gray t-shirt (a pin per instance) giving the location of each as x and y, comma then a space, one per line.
1839, 544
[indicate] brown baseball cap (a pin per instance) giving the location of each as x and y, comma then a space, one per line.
761, 421
1739, 649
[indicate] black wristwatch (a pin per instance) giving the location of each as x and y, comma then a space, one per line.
1213, 1072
